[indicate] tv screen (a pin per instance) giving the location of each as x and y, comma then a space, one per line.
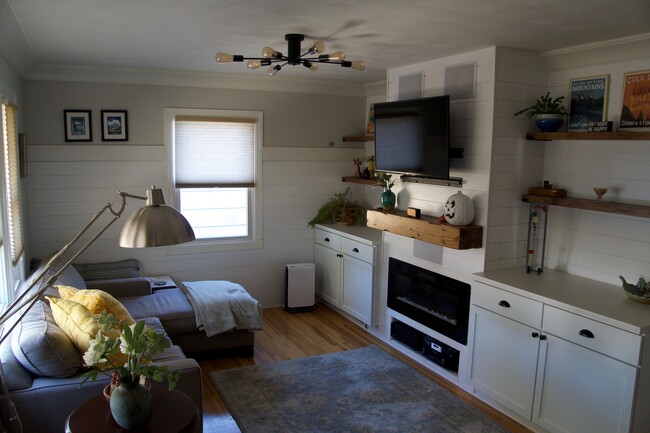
412, 137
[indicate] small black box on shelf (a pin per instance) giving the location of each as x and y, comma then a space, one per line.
440, 353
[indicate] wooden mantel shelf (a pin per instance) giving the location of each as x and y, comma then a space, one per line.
359, 138
354, 179
427, 229
618, 135
591, 204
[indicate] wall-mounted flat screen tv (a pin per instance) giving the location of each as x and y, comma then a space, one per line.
412, 137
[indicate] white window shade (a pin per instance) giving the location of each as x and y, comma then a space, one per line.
12, 173
214, 152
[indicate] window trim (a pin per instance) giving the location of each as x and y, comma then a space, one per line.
255, 240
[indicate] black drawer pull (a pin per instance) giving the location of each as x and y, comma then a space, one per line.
504, 304
326, 239
355, 250
586, 333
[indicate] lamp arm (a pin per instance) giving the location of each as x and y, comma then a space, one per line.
19, 303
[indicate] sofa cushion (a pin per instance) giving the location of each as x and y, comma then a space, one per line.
96, 301
42, 347
76, 321
170, 306
128, 268
16, 376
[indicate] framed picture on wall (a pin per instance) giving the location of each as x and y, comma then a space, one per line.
77, 125
635, 108
588, 101
114, 125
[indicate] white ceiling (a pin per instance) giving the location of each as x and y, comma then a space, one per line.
185, 34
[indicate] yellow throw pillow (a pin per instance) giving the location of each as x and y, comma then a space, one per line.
97, 301
75, 320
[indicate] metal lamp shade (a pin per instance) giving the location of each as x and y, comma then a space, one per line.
155, 226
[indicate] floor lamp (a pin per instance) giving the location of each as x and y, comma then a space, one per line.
153, 225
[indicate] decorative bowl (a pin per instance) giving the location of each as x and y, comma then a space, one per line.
637, 298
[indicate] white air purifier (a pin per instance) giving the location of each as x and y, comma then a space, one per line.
300, 293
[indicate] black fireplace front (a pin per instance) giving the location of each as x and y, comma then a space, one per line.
436, 301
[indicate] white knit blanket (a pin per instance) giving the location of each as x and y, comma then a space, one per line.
221, 306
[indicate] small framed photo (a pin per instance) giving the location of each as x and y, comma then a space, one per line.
636, 104
77, 125
114, 125
588, 102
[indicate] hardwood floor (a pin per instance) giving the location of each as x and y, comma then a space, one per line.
288, 336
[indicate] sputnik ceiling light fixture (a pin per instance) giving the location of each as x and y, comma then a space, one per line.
310, 59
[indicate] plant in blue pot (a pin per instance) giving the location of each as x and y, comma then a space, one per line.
387, 198
548, 112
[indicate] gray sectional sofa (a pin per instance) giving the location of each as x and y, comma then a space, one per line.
43, 369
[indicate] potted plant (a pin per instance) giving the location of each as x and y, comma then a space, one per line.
340, 209
127, 350
548, 112
387, 198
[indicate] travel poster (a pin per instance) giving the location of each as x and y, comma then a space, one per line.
588, 101
635, 111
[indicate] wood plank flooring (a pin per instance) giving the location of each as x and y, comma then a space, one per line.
288, 336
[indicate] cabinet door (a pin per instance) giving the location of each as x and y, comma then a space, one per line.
504, 360
328, 274
357, 289
582, 391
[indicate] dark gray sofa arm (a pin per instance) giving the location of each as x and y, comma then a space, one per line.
123, 287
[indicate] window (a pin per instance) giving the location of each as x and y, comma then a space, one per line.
12, 180
216, 171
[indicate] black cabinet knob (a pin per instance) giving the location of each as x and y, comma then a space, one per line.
542, 337
339, 255
586, 333
504, 304
535, 334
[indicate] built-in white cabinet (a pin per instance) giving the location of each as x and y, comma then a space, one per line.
346, 271
560, 367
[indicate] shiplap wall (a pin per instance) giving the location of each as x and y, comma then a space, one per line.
68, 183
516, 163
598, 245
471, 129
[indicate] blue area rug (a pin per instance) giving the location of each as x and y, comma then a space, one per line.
365, 390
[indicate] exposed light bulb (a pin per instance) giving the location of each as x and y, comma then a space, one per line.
337, 55
274, 69
358, 65
224, 57
310, 65
254, 64
269, 53
318, 47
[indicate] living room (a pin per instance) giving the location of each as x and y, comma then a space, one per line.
304, 158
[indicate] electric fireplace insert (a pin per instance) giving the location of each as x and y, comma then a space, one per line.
436, 301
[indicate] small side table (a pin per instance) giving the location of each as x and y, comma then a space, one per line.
171, 412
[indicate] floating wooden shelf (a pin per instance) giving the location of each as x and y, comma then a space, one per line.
589, 204
353, 179
427, 229
619, 135
359, 138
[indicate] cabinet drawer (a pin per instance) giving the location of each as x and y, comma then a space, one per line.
592, 334
328, 239
357, 249
508, 304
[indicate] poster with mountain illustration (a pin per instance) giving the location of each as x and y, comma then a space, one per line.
588, 101
635, 111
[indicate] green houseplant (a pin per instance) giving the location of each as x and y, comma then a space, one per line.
340, 208
387, 198
548, 112
127, 351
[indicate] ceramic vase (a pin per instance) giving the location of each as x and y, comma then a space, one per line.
548, 122
130, 404
387, 200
